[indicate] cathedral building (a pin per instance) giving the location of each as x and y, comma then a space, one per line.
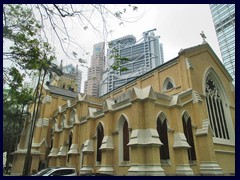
177, 119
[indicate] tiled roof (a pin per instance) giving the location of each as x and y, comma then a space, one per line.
61, 91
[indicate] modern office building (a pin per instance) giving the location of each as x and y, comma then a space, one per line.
137, 59
95, 72
224, 21
176, 119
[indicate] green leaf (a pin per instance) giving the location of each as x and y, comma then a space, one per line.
124, 69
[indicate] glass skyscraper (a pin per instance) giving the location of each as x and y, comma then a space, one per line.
224, 21
143, 55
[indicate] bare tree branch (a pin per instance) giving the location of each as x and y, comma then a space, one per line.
40, 12
54, 29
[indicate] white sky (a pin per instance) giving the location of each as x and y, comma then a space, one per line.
179, 26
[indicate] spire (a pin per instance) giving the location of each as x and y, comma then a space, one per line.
204, 37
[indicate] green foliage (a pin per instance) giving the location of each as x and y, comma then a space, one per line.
17, 78
14, 103
28, 51
119, 61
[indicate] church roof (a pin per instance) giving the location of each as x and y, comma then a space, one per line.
61, 91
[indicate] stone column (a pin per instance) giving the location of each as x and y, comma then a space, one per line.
207, 157
144, 155
88, 160
107, 156
181, 156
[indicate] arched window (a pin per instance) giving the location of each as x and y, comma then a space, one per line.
162, 130
100, 136
69, 143
187, 128
51, 144
168, 84
215, 108
125, 141
123, 129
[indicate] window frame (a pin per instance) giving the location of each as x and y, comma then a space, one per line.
166, 83
162, 129
188, 132
226, 108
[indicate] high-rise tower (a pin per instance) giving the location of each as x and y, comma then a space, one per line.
224, 21
142, 56
95, 72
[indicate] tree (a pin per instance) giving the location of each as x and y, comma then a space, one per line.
13, 118
87, 17
25, 26
28, 52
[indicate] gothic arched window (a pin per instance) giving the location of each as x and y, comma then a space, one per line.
123, 128
187, 128
100, 136
69, 143
125, 141
215, 108
168, 84
162, 130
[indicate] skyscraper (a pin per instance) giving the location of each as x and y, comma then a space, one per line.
142, 56
224, 21
95, 72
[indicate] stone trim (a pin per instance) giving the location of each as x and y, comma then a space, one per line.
107, 143
180, 141
184, 170
53, 152
210, 168
144, 137
204, 130
62, 151
88, 146
37, 145
73, 149
145, 170
86, 169
106, 169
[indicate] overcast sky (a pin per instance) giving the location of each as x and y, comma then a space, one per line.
179, 26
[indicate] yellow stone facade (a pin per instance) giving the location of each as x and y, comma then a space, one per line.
67, 131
